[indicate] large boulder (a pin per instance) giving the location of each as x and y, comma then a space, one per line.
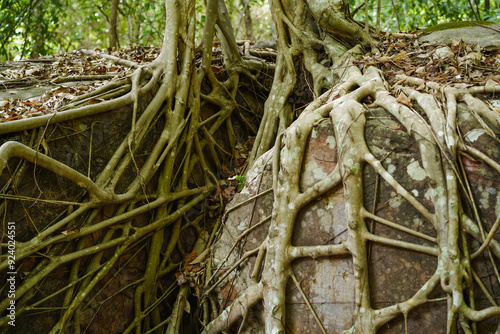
483, 34
395, 274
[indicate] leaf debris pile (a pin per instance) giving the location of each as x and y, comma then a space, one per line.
69, 75
65, 76
455, 63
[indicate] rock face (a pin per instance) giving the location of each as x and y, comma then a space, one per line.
395, 274
486, 36
110, 311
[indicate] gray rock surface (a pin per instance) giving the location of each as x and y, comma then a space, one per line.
486, 36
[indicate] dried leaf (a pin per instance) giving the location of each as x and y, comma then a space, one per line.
197, 292
490, 84
200, 257
191, 257
228, 194
187, 306
403, 99
399, 56
181, 279
420, 70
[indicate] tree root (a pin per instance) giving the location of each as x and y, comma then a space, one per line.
138, 209
113, 220
435, 130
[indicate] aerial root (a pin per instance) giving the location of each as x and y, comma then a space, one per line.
239, 307
13, 149
308, 303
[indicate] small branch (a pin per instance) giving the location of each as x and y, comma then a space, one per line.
399, 189
239, 205
483, 288
115, 60
474, 230
490, 236
84, 78
321, 187
402, 244
240, 237
236, 310
258, 262
297, 252
302, 293
41, 200
367, 214
480, 315
88, 110
175, 318
233, 267
386, 314
490, 162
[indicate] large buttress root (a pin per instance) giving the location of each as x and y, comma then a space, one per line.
309, 31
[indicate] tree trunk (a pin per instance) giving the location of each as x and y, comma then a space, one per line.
248, 19
38, 47
113, 20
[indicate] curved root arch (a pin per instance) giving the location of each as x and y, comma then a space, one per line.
433, 126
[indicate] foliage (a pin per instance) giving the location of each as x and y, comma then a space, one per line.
26, 23
240, 180
400, 15
139, 23
64, 26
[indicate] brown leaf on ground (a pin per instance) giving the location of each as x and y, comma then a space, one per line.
228, 194
403, 99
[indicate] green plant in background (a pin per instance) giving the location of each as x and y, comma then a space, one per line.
240, 181
139, 23
28, 27
31, 28
400, 15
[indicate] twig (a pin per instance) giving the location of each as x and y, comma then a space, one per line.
315, 315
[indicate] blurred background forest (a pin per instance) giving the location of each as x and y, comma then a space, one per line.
29, 28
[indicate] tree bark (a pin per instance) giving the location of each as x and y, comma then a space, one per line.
113, 20
248, 19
